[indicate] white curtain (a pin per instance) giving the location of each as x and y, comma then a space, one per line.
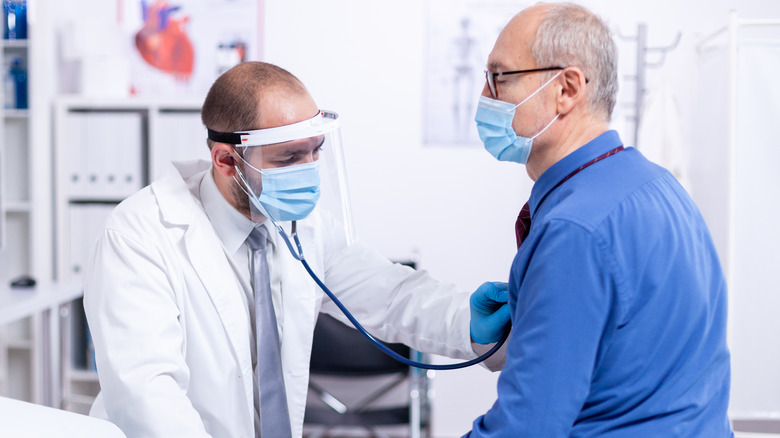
755, 293
746, 232
660, 131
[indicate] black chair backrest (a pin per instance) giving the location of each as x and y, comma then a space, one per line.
341, 350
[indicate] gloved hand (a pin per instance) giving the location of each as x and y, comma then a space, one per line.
489, 312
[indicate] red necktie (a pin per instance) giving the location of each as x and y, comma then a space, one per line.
523, 224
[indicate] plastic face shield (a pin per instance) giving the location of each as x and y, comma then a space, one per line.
290, 172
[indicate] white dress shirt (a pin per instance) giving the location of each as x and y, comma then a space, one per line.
233, 228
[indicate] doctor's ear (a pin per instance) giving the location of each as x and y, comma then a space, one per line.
222, 156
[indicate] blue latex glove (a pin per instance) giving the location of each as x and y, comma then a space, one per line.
489, 312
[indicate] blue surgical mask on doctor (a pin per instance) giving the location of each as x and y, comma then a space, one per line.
494, 125
288, 193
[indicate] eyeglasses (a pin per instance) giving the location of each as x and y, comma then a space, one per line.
491, 77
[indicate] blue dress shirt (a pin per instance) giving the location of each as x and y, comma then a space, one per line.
618, 308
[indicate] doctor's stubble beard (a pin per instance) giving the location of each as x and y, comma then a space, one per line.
240, 200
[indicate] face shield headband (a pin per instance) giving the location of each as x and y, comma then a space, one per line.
290, 192
322, 123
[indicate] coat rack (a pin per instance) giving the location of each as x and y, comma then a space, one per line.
642, 63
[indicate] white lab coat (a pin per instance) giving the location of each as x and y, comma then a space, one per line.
171, 329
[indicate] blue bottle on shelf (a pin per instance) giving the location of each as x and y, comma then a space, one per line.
19, 77
15, 19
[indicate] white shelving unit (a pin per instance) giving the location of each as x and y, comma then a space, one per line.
19, 351
105, 150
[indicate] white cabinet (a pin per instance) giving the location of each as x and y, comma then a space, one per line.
104, 151
19, 378
14, 149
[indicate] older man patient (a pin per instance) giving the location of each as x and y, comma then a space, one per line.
617, 296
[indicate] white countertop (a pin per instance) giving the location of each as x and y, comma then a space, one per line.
18, 303
22, 419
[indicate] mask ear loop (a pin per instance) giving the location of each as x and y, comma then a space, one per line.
538, 89
532, 95
298, 255
548, 125
248, 164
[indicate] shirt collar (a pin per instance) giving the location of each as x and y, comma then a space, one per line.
551, 177
231, 226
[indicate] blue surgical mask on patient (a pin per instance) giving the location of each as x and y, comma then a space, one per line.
494, 125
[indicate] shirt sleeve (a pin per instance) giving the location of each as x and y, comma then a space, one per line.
133, 317
561, 284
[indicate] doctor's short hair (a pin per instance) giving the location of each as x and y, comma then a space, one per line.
233, 101
572, 35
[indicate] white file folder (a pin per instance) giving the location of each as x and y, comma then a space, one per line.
76, 126
87, 223
106, 151
130, 164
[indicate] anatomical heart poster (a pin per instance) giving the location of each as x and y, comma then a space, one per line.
179, 47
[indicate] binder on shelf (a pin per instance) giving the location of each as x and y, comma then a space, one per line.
130, 164
87, 222
76, 139
98, 140
107, 154
77, 259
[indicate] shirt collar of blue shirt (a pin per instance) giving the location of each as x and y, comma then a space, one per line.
551, 177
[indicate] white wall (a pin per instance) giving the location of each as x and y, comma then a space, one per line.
365, 60
457, 207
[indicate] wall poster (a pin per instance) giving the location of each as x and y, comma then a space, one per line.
460, 35
179, 47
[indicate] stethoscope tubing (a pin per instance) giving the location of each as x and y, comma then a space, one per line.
406, 361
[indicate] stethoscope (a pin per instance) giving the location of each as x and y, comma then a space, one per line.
297, 253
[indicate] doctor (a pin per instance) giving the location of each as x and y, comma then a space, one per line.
181, 277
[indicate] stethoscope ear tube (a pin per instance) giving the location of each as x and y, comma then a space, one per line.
377, 343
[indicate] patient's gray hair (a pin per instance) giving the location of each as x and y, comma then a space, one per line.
571, 35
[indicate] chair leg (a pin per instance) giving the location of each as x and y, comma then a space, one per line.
317, 434
364, 403
415, 411
328, 398
375, 433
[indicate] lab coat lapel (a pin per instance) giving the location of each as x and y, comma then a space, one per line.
211, 264
202, 245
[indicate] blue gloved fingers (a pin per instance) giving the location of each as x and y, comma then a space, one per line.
500, 318
489, 312
498, 292
490, 329
489, 296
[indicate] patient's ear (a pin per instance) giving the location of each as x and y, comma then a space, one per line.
572, 86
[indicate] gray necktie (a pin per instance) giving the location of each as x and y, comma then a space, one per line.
274, 416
